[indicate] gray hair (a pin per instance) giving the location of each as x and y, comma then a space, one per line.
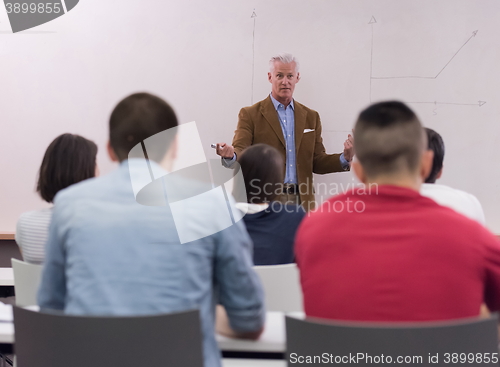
285, 58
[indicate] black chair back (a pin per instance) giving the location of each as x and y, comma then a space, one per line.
58, 340
474, 341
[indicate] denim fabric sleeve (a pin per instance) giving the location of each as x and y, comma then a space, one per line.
52, 290
239, 287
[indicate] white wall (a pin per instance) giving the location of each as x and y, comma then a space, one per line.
67, 75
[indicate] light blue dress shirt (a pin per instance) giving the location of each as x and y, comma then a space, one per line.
286, 117
108, 255
287, 122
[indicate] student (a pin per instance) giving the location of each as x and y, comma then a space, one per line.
392, 254
109, 255
270, 224
69, 159
461, 201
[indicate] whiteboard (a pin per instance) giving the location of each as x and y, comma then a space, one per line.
209, 59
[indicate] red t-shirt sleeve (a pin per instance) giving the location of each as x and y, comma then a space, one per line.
492, 281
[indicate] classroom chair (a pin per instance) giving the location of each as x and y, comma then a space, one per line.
471, 342
281, 287
26, 281
56, 340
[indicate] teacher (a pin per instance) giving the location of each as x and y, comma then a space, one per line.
293, 129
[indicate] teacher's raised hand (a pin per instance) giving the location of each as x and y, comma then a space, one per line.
225, 150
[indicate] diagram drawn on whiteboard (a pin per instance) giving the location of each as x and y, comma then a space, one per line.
254, 17
373, 78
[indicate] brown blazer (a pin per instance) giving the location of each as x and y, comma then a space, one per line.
260, 124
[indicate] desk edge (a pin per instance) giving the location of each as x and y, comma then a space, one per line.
7, 235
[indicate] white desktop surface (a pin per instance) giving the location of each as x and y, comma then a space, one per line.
6, 276
6, 332
272, 339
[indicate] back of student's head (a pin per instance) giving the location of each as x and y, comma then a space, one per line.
68, 159
389, 139
262, 169
138, 117
436, 144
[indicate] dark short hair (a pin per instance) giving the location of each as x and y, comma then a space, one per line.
68, 159
388, 138
136, 118
436, 144
262, 169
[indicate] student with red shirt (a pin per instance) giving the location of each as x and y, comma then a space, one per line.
386, 253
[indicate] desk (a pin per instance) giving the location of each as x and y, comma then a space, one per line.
7, 235
6, 277
6, 333
8, 249
272, 340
